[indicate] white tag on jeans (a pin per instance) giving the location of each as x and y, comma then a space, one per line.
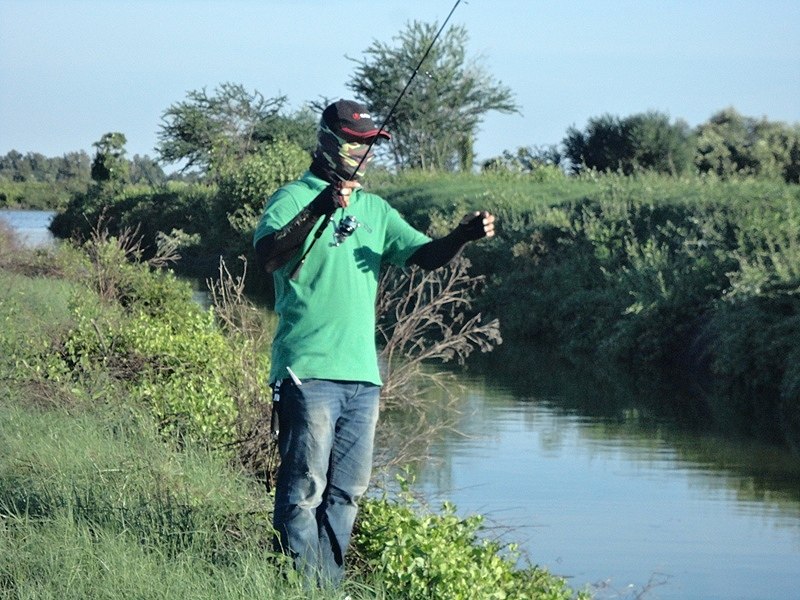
294, 377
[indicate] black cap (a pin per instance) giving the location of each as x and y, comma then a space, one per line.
352, 120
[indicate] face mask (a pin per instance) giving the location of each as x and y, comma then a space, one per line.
340, 157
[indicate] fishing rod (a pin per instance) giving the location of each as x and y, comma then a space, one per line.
381, 129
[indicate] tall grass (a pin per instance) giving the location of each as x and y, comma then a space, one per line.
93, 505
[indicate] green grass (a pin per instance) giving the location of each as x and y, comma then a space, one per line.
32, 310
98, 499
93, 505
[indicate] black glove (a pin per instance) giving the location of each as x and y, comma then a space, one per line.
276, 249
471, 227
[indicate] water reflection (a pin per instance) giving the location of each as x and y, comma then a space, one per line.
604, 483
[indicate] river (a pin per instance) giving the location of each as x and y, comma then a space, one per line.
598, 488
30, 225
604, 483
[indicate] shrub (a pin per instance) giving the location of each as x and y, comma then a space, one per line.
420, 555
245, 186
143, 329
648, 272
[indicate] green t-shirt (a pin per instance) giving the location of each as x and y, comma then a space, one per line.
326, 326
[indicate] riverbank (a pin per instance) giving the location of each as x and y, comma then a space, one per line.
692, 278
133, 424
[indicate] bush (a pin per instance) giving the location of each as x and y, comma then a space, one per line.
143, 329
652, 273
148, 211
37, 195
244, 188
419, 555
203, 221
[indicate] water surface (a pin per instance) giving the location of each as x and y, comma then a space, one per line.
30, 225
619, 499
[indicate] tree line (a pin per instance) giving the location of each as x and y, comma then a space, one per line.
727, 145
79, 167
433, 128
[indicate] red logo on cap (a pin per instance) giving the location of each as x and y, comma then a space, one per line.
356, 116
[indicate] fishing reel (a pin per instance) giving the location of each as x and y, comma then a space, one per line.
346, 227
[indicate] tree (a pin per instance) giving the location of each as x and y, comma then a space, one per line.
74, 166
644, 141
228, 125
144, 169
109, 167
603, 145
791, 172
434, 125
730, 144
658, 145
526, 159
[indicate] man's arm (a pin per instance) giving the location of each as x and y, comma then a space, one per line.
439, 252
276, 249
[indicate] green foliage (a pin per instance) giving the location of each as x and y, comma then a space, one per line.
179, 208
143, 330
208, 129
757, 323
645, 270
34, 312
421, 555
202, 221
691, 275
146, 170
732, 145
245, 186
35, 195
645, 141
658, 145
34, 181
35, 167
454, 97
727, 145
93, 502
180, 367
544, 162
109, 167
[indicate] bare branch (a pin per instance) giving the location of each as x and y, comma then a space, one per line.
422, 316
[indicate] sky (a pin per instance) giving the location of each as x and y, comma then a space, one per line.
72, 70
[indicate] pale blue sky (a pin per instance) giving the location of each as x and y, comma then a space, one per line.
72, 70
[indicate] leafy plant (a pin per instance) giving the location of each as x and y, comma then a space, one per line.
420, 555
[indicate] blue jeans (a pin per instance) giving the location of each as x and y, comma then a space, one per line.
326, 436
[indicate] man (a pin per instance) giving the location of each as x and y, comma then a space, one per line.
324, 360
